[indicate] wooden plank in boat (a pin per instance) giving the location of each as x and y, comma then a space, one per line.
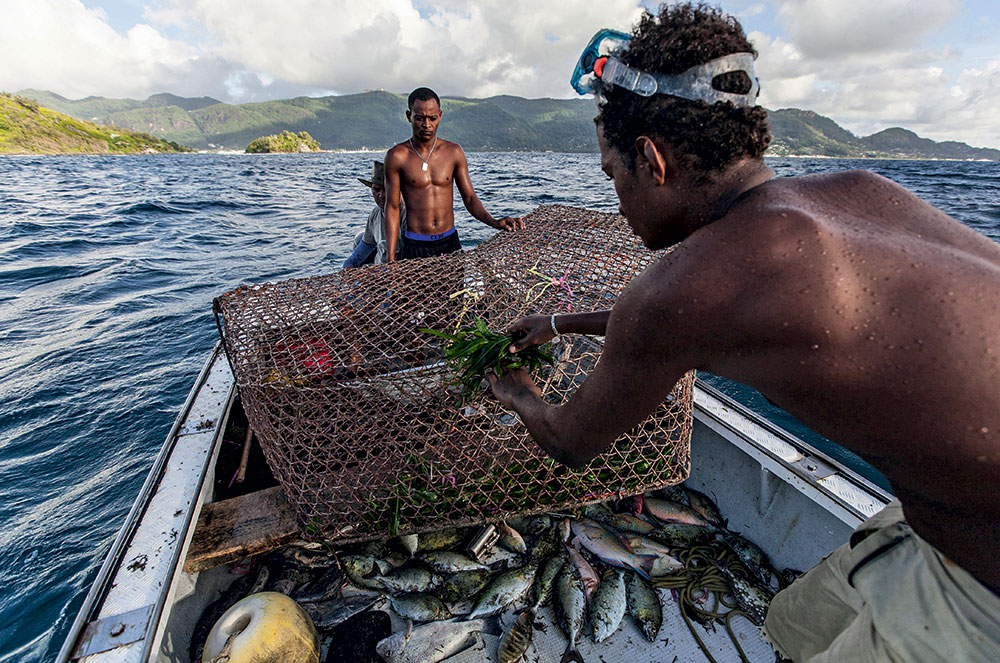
232, 529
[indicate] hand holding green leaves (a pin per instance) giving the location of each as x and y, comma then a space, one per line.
474, 350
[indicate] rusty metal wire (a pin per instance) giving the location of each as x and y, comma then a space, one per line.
355, 410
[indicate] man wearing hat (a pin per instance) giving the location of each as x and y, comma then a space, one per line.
371, 246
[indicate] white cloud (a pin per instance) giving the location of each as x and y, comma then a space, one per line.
825, 29
63, 46
865, 65
518, 47
868, 65
459, 48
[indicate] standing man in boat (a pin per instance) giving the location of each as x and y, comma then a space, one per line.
422, 172
856, 306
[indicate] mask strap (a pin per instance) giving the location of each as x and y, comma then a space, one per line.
694, 84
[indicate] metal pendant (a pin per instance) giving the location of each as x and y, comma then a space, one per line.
424, 166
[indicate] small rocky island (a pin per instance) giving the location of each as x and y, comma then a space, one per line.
286, 141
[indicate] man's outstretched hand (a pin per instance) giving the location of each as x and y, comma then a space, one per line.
509, 223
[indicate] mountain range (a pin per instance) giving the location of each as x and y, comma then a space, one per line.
375, 120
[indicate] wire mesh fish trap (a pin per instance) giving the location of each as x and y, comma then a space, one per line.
357, 412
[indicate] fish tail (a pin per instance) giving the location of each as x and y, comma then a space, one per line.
572, 654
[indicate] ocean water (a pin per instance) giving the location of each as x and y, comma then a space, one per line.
108, 266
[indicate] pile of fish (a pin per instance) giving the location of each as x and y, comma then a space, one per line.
594, 566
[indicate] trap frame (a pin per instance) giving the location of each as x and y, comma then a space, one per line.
357, 413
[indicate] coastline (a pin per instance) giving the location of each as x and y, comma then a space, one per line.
383, 151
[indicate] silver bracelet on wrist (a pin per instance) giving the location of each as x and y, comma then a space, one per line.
552, 323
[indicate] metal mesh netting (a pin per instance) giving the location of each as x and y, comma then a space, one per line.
355, 408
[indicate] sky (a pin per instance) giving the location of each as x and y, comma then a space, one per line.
931, 66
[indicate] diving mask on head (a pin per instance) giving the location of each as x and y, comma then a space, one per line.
599, 61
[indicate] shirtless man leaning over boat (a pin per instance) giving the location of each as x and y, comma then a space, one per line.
856, 306
423, 169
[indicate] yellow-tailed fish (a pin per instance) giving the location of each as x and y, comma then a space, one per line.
608, 606
644, 606
506, 588
572, 611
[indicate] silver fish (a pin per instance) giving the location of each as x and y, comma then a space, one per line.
752, 599
545, 581
409, 580
608, 606
460, 586
419, 607
430, 643
446, 561
362, 570
504, 590
572, 611
644, 606
511, 539
515, 642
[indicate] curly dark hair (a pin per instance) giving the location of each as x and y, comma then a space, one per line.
706, 137
422, 94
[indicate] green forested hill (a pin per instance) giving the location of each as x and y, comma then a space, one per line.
375, 120
28, 128
349, 122
801, 132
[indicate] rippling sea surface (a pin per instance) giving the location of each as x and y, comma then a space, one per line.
108, 266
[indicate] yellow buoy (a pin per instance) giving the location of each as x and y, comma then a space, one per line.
264, 628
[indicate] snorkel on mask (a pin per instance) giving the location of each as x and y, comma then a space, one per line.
599, 62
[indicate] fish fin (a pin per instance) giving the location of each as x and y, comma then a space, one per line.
645, 566
572, 655
625, 542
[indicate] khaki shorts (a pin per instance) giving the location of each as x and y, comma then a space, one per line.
890, 597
